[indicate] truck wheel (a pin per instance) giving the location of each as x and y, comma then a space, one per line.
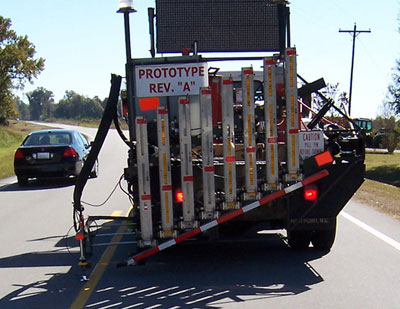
324, 239
299, 240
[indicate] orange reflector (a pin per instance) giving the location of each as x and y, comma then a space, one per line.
311, 193
324, 158
147, 104
179, 196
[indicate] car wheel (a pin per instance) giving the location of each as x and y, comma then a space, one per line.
95, 171
22, 181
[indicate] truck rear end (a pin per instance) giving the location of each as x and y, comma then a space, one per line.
220, 154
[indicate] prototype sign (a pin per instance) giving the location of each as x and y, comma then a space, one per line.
170, 79
311, 143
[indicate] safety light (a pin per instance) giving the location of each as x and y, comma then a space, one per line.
179, 196
126, 6
311, 193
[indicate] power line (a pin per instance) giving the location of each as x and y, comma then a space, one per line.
354, 34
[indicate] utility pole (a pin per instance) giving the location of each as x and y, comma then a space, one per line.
354, 33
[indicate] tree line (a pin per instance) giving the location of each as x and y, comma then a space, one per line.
18, 65
41, 106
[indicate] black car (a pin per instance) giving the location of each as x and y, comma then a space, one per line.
52, 153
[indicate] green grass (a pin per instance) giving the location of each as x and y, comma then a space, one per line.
9, 142
383, 167
381, 189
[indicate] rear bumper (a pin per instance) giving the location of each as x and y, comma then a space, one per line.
50, 170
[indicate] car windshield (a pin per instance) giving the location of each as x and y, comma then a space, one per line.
53, 138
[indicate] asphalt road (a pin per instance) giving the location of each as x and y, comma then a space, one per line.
38, 271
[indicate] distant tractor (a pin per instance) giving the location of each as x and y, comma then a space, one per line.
382, 138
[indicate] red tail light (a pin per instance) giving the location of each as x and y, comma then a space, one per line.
311, 193
70, 152
179, 196
19, 154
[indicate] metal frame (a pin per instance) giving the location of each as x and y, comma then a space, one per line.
164, 163
142, 154
185, 144
228, 136
207, 151
292, 116
271, 131
249, 134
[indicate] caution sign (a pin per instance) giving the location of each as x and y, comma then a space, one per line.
170, 79
310, 143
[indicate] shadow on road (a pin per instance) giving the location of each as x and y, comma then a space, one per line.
212, 276
191, 275
57, 291
42, 184
388, 174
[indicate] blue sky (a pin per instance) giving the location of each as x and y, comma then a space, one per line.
83, 43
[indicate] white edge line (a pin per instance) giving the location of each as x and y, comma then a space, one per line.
371, 230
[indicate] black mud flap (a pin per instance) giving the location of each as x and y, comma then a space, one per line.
334, 193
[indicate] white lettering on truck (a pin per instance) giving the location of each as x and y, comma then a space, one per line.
170, 79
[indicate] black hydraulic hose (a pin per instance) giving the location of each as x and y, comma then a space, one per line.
105, 123
120, 132
318, 117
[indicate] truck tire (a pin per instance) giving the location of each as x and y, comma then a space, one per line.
299, 240
324, 239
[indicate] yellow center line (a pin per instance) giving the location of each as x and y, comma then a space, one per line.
99, 269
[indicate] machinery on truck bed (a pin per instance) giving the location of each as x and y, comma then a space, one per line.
213, 153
